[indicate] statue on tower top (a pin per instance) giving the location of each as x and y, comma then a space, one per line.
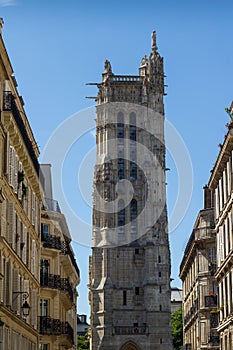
153, 41
107, 67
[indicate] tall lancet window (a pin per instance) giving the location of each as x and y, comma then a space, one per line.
133, 209
121, 216
133, 216
121, 169
133, 146
120, 126
121, 212
132, 131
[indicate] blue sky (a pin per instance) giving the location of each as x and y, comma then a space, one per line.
56, 47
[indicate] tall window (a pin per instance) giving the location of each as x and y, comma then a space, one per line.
133, 171
121, 169
133, 209
44, 231
44, 308
132, 131
120, 126
121, 213
44, 272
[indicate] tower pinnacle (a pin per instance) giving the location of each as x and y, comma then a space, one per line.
153, 41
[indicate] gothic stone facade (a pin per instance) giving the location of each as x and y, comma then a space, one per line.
130, 263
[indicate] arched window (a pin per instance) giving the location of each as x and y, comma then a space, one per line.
133, 171
133, 209
132, 131
121, 213
120, 126
121, 169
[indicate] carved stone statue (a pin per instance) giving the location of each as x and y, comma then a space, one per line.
107, 67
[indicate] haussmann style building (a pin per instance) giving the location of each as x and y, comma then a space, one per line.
20, 199
59, 276
221, 183
130, 262
197, 272
38, 271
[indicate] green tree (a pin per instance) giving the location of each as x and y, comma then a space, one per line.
177, 329
83, 342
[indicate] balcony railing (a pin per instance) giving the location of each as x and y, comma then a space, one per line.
56, 282
192, 311
51, 205
210, 300
214, 339
50, 326
214, 320
120, 330
55, 242
10, 105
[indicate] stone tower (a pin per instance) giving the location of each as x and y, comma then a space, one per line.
130, 262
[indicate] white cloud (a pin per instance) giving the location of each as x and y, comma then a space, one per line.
4, 3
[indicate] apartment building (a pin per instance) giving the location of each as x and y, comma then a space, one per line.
20, 201
59, 277
197, 270
222, 186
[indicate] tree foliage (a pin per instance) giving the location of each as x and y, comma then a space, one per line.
177, 329
83, 342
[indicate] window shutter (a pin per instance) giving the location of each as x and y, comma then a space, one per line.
36, 215
16, 169
11, 221
8, 283
12, 167
29, 203
3, 219
19, 184
16, 288
33, 208
33, 261
24, 244
18, 236
34, 308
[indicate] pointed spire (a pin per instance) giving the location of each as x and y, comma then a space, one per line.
153, 41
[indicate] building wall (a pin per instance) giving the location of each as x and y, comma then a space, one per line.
199, 286
59, 277
20, 200
130, 263
221, 184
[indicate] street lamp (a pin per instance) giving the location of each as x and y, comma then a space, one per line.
25, 307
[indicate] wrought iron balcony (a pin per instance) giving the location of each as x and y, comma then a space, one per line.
120, 330
10, 105
55, 242
214, 320
210, 300
56, 282
51, 205
192, 311
51, 326
214, 339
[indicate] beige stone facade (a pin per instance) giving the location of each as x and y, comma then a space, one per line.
200, 307
37, 269
130, 263
59, 277
20, 199
221, 183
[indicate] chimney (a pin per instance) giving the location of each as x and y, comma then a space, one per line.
207, 197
